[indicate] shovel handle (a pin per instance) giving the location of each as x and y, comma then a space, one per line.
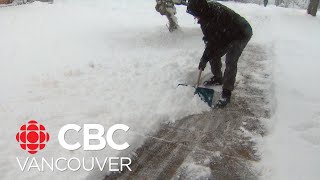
199, 77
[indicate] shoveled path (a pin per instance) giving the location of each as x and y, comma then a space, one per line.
216, 144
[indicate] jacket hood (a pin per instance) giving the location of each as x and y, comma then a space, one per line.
198, 8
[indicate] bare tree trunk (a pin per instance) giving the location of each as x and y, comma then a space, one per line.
313, 7
278, 2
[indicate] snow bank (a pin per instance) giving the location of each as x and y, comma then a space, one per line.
104, 62
293, 146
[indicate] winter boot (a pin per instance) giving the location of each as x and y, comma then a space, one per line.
225, 99
213, 81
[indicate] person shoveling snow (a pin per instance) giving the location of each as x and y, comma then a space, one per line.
225, 32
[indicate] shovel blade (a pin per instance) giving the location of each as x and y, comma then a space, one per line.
205, 94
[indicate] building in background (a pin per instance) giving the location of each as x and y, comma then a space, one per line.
6, 1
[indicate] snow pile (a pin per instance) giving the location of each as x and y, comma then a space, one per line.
195, 171
101, 62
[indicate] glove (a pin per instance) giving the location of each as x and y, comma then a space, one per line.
205, 40
202, 65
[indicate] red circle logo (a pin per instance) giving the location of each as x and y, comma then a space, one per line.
32, 137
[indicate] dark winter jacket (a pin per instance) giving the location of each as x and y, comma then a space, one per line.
220, 26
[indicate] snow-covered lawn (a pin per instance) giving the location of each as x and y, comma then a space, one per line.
107, 62
293, 143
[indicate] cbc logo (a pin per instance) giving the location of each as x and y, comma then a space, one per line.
32, 137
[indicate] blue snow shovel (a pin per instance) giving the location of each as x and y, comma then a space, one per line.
205, 94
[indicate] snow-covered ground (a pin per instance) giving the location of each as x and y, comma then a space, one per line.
107, 62
293, 143
104, 62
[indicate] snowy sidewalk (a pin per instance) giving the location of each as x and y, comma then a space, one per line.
214, 145
107, 62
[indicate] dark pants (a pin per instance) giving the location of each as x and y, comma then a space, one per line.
233, 53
